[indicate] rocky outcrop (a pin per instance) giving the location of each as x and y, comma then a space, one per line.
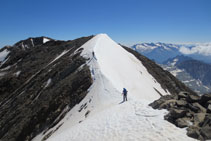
40, 84
188, 110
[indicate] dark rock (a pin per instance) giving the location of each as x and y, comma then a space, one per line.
183, 122
193, 98
199, 107
157, 103
174, 114
193, 131
206, 132
182, 95
193, 108
168, 104
206, 104
207, 120
196, 107
206, 127
181, 103
205, 98
199, 118
189, 114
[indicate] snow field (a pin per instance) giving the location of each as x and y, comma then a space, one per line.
4, 54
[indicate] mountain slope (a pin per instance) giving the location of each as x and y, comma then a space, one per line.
101, 115
194, 73
198, 70
71, 90
39, 86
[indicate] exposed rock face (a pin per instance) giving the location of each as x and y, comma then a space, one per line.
188, 110
40, 84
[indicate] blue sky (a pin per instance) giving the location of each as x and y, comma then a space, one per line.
125, 21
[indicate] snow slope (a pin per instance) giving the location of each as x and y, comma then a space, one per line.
101, 115
45, 40
4, 54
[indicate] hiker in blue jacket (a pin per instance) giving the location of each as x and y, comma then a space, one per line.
124, 93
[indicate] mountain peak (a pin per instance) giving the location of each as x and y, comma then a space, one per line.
75, 87
119, 68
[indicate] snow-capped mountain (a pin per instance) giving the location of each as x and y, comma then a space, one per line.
100, 112
160, 52
169, 56
188, 71
72, 90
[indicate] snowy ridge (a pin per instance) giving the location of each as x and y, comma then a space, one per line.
101, 115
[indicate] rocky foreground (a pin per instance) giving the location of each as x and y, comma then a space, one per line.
188, 110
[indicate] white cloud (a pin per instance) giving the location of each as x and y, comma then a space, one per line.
203, 49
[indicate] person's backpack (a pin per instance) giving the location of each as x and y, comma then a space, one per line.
124, 91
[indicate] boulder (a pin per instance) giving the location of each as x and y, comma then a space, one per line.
196, 107
182, 94
183, 122
206, 132
193, 131
193, 98
156, 104
189, 114
168, 104
205, 98
193, 108
181, 103
199, 107
174, 114
206, 127
199, 118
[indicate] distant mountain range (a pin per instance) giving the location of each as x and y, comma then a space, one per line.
189, 63
160, 52
195, 74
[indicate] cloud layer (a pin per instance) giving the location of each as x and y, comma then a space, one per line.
203, 49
